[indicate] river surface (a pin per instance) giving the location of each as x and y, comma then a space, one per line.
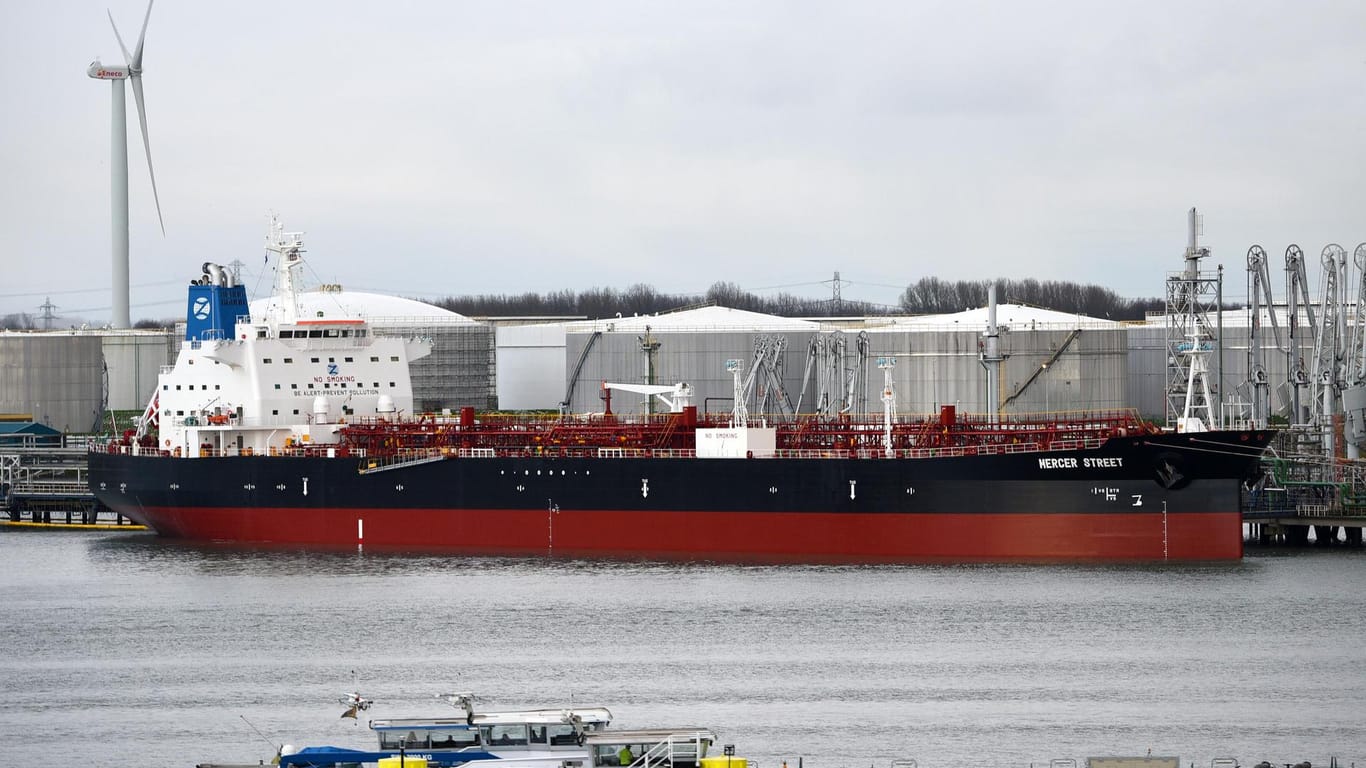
127, 650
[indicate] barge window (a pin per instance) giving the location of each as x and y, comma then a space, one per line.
293, 386
505, 735
374, 358
347, 359
313, 359
289, 360
393, 358
266, 360
454, 739
538, 734
331, 359
563, 736
277, 386
394, 739
315, 335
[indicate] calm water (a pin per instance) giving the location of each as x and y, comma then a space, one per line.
124, 650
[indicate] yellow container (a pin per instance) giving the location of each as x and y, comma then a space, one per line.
408, 762
721, 761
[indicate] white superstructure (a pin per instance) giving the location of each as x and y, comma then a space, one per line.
283, 382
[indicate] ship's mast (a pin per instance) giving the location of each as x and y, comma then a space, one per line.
1193, 298
992, 358
289, 248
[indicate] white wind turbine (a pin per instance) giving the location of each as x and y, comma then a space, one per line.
119, 161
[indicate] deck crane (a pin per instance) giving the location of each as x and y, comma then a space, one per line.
1327, 369
1259, 287
1354, 392
1296, 291
675, 397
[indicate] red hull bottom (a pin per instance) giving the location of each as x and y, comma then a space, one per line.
725, 536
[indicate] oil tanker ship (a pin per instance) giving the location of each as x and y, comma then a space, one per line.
295, 430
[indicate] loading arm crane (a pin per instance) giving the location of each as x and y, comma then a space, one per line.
1259, 288
1327, 369
1297, 295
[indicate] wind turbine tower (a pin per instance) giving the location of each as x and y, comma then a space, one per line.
118, 162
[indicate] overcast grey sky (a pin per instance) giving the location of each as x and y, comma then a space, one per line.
436, 148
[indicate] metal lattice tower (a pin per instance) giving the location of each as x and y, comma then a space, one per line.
47, 317
1194, 324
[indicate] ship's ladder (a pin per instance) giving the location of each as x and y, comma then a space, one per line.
425, 456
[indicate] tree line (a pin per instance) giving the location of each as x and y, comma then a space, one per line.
929, 295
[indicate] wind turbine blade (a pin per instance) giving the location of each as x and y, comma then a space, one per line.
137, 53
127, 57
147, 145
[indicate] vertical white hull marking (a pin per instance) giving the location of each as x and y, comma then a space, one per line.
1164, 529
360, 530
852, 483
305, 486
644, 487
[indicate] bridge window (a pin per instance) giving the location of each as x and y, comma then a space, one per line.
266, 360
289, 360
